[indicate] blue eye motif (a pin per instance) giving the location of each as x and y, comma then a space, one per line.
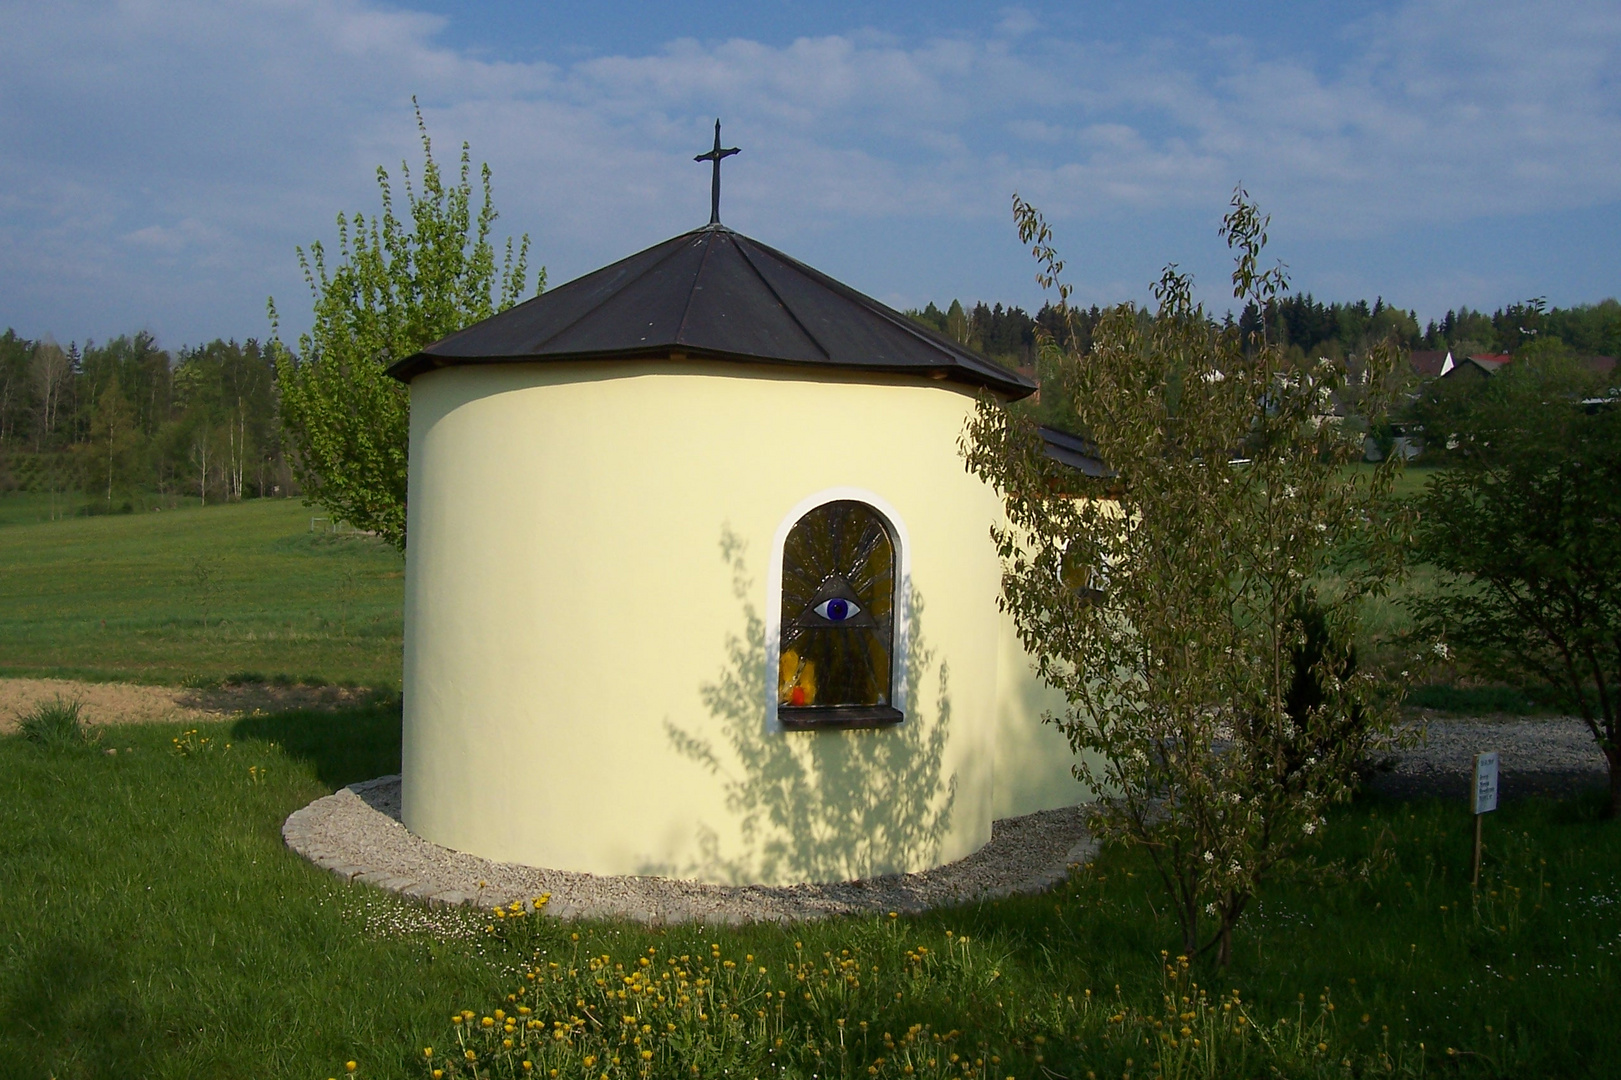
837, 610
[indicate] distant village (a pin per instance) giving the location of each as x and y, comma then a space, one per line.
1444, 356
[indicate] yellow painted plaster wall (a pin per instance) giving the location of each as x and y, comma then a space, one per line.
1033, 759
585, 655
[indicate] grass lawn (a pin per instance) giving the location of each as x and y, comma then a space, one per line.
196, 594
152, 924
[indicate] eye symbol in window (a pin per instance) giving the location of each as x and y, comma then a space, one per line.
837, 610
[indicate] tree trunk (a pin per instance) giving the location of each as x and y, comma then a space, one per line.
1613, 755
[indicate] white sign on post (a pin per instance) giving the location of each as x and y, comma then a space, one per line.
1486, 782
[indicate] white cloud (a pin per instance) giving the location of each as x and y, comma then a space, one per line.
152, 151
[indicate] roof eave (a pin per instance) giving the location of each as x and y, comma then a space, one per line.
1011, 388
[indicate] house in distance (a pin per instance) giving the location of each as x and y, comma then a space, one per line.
697, 583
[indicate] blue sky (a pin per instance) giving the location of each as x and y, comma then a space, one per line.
159, 161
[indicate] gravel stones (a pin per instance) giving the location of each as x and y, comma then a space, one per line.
1555, 757
356, 833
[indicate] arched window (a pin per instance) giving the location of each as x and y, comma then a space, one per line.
837, 627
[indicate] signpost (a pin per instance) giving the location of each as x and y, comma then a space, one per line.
1485, 800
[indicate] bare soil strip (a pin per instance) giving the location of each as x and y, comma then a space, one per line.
129, 703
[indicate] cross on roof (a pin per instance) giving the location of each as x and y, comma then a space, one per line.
715, 155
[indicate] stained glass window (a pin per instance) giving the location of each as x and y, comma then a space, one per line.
838, 619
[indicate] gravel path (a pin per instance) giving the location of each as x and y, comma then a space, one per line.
356, 833
1554, 756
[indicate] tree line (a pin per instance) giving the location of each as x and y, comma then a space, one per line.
1303, 326
124, 421
127, 419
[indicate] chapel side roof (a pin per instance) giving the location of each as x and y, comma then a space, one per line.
1074, 451
714, 294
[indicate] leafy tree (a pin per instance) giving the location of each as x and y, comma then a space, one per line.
1527, 525
15, 355
111, 458
225, 392
141, 370
1182, 604
398, 286
52, 372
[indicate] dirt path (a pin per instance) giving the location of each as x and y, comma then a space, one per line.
128, 703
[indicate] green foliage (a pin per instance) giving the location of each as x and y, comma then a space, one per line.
110, 461
55, 723
1527, 524
225, 424
1586, 329
1306, 326
399, 285
1007, 335
126, 420
1175, 603
137, 368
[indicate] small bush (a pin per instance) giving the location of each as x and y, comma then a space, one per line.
54, 723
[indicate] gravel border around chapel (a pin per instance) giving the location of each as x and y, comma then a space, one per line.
356, 834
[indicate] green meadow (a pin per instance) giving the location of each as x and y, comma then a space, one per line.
152, 924
196, 595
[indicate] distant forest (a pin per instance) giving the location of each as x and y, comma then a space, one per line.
1310, 327
127, 425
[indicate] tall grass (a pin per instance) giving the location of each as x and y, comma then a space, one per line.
153, 924
54, 723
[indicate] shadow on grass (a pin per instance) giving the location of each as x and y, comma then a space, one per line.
57, 1004
1484, 700
344, 746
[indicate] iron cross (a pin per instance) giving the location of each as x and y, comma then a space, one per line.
715, 155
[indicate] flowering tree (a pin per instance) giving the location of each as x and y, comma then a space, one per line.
1196, 605
397, 287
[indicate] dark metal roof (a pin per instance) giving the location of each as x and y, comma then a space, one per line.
714, 294
1074, 451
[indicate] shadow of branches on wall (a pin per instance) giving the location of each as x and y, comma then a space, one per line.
820, 805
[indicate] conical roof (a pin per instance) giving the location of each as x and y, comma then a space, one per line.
714, 294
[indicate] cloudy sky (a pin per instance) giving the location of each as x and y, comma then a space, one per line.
160, 161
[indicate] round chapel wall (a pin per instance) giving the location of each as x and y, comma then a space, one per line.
593, 619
